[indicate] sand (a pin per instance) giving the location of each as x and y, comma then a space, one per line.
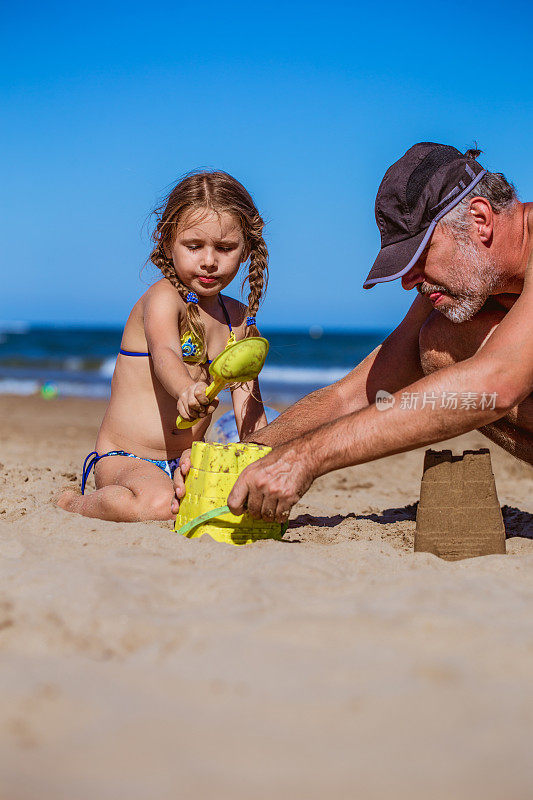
338, 663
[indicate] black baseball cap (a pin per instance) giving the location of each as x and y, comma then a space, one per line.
415, 193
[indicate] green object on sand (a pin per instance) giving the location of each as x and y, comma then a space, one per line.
215, 512
49, 391
190, 526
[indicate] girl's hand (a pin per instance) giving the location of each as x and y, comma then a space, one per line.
179, 480
193, 402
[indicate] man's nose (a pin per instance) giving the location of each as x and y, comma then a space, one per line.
411, 278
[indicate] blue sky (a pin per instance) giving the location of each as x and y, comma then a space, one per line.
105, 106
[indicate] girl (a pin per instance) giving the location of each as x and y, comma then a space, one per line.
207, 227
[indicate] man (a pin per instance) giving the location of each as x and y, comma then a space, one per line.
461, 359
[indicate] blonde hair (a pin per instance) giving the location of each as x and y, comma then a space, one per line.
219, 192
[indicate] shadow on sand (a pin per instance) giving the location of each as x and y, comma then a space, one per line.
385, 517
517, 522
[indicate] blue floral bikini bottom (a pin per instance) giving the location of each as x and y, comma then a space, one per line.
168, 467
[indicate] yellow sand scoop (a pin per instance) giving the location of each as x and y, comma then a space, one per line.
239, 362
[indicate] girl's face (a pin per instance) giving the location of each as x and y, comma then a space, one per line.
207, 251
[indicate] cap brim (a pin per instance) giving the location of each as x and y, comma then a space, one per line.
397, 259
390, 262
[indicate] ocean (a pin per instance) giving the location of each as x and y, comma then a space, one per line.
79, 361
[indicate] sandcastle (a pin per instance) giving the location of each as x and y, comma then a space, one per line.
459, 514
214, 470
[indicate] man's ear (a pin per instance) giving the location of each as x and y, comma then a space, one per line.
483, 218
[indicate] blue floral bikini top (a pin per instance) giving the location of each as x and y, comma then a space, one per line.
191, 346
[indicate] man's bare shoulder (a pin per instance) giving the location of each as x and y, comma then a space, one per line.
514, 333
528, 273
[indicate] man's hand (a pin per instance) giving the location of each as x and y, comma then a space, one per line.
193, 402
270, 487
179, 480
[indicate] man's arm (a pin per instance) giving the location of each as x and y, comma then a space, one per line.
372, 434
501, 372
392, 365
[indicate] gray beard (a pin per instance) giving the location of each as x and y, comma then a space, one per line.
464, 308
468, 300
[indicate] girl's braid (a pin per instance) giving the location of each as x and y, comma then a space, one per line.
257, 270
193, 321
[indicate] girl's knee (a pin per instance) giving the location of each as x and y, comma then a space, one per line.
162, 504
154, 503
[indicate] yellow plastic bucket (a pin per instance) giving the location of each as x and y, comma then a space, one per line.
214, 470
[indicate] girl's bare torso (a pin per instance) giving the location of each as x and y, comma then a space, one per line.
141, 415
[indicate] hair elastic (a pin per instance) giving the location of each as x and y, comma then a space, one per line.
250, 321
192, 297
